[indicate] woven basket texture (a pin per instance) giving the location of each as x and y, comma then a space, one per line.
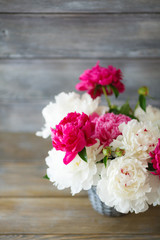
101, 207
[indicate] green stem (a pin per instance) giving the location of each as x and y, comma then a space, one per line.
107, 99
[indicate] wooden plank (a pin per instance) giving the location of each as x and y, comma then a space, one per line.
23, 166
80, 237
52, 6
27, 86
36, 79
79, 36
25, 179
70, 215
21, 116
27, 117
23, 147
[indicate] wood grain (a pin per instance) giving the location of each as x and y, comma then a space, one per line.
69, 215
44, 46
25, 179
80, 237
23, 166
23, 147
26, 86
61, 6
27, 117
37, 79
79, 36
22, 116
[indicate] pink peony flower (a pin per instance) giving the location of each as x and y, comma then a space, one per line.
106, 127
155, 155
72, 134
93, 79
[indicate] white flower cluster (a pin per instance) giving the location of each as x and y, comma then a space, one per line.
77, 174
53, 113
138, 139
152, 114
125, 183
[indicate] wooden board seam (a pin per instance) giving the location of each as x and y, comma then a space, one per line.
79, 12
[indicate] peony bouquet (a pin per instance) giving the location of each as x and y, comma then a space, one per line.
115, 148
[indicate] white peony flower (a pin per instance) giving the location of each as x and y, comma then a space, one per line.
53, 113
152, 114
138, 139
77, 174
124, 185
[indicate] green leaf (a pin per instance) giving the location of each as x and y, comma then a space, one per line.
105, 161
114, 110
142, 102
132, 117
125, 108
115, 90
83, 154
150, 167
46, 177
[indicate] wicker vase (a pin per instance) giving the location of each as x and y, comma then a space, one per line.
101, 207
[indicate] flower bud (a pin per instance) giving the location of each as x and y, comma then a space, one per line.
107, 151
120, 152
143, 91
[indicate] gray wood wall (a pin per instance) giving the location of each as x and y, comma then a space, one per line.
45, 45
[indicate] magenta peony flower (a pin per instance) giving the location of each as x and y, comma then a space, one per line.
93, 79
72, 134
155, 155
106, 127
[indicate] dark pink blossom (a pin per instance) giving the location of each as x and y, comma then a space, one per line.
72, 134
106, 127
93, 79
155, 155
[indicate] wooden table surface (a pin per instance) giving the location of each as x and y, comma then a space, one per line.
31, 208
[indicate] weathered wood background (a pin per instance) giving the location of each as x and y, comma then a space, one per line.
44, 47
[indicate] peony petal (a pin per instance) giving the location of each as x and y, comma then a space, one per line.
69, 156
